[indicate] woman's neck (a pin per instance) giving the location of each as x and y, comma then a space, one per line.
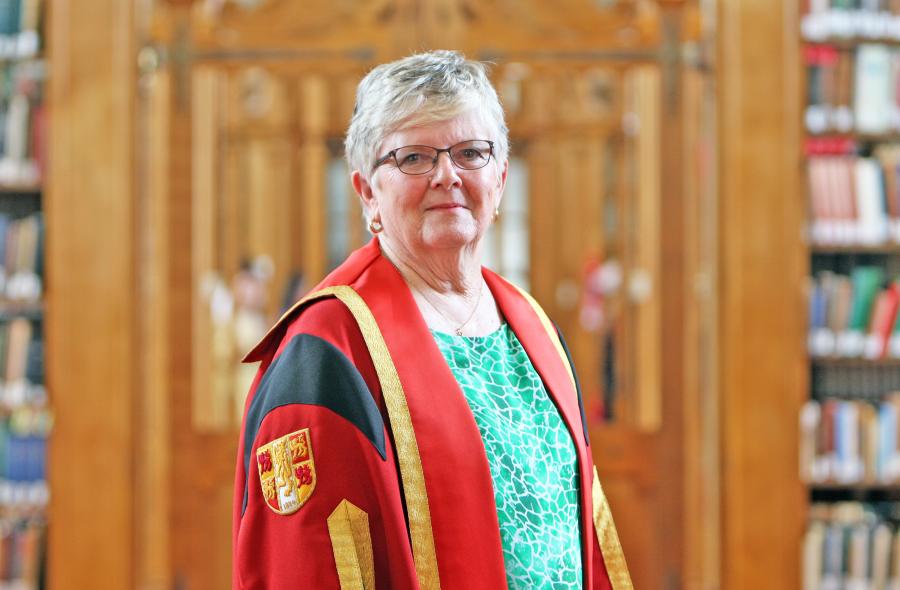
444, 272
448, 289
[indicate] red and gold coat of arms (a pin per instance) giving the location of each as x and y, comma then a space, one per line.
287, 472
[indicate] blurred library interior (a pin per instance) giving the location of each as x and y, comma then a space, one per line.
702, 194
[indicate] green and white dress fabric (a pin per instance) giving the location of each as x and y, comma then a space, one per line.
531, 455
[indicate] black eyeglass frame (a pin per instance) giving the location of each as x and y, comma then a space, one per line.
393, 154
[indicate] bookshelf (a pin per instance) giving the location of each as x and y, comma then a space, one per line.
859, 250
849, 425
25, 418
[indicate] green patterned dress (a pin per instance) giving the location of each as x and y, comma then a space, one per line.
531, 455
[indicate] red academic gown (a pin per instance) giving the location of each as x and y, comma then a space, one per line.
339, 485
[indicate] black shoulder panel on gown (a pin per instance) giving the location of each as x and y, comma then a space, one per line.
562, 341
312, 371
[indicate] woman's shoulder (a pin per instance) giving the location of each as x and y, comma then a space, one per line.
328, 319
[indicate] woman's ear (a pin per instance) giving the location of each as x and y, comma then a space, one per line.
501, 181
364, 190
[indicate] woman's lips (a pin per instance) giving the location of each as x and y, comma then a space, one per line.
447, 206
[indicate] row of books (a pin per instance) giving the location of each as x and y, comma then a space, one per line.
21, 363
854, 316
21, 258
844, 442
23, 122
855, 200
23, 453
23, 548
20, 28
25, 420
850, 19
851, 546
852, 89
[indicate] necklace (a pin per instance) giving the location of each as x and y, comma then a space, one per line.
459, 329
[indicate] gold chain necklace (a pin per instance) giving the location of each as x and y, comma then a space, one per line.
459, 329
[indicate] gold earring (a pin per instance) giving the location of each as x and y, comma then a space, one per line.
375, 226
496, 214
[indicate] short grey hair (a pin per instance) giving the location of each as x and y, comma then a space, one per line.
417, 90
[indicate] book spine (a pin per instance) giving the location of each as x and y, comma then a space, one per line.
873, 89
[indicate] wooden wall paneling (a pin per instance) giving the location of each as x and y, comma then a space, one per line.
254, 212
233, 188
629, 470
235, 205
202, 473
533, 26
598, 124
357, 232
693, 443
344, 99
568, 227
589, 350
269, 196
572, 229
342, 82
626, 187
442, 24
264, 121
702, 446
762, 274
181, 331
576, 175
294, 212
92, 365
541, 174
543, 192
211, 407
702, 519
153, 470
510, 80
664, 109
646, 281
373, 31
312, 157
639, 454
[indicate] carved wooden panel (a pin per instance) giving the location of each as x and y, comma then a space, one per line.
402, 26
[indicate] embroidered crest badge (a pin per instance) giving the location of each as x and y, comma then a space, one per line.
287, 472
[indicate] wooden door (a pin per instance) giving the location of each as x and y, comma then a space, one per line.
242, 108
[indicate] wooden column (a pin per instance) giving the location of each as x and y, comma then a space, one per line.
702, 498
92, 366
763, 267
311, 162
153, 455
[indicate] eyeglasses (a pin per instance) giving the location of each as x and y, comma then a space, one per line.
421, 159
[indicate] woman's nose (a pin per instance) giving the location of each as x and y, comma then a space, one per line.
445, 172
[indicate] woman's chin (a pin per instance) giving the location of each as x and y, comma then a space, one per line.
448, 237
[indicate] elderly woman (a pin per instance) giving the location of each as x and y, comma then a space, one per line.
415, 422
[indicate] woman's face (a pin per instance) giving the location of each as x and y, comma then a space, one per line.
446, 208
